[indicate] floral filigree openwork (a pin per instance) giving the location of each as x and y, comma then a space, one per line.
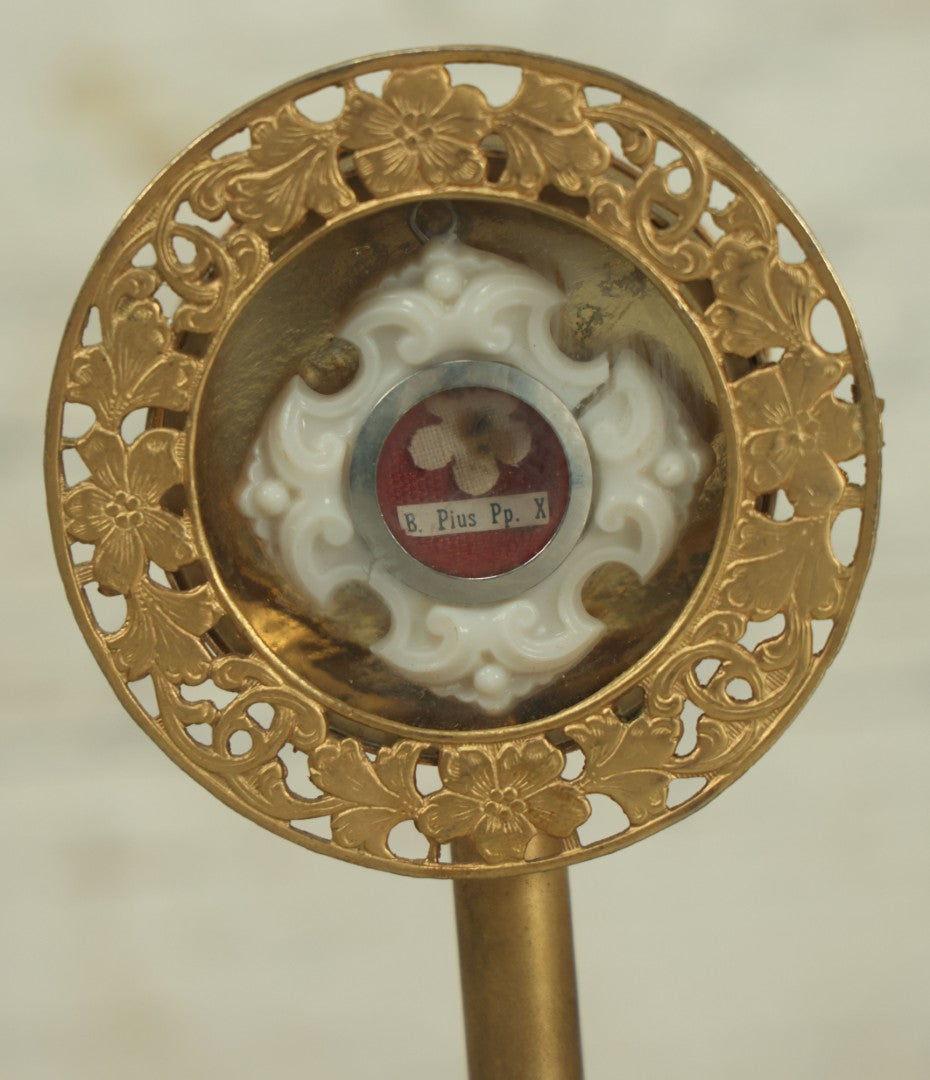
119, 508
292, 167
549, 138
799, 429
420, 132
135, 365
502, 797
788, 429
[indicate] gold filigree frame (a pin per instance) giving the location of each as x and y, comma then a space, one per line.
802, 456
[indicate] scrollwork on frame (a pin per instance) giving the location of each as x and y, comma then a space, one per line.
631, 762
548, 138
291, 168
671, 239
790, 431
369, 798
216, 272
135, 365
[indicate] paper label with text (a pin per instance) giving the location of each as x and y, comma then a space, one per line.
475, 515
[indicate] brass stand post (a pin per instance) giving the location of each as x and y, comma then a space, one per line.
518, 977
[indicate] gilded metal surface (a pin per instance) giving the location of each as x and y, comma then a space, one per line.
247, 691
518, 977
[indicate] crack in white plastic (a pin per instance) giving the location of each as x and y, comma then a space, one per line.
646, 457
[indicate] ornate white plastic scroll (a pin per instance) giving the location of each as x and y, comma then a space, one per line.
453, 302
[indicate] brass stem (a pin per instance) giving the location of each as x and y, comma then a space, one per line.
518, 977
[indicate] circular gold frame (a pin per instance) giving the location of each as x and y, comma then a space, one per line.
682, 204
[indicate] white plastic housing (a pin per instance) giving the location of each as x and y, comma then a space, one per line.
647, 463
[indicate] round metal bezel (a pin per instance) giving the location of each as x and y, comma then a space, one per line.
363, 469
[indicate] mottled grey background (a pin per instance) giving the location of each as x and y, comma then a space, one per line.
149, 932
